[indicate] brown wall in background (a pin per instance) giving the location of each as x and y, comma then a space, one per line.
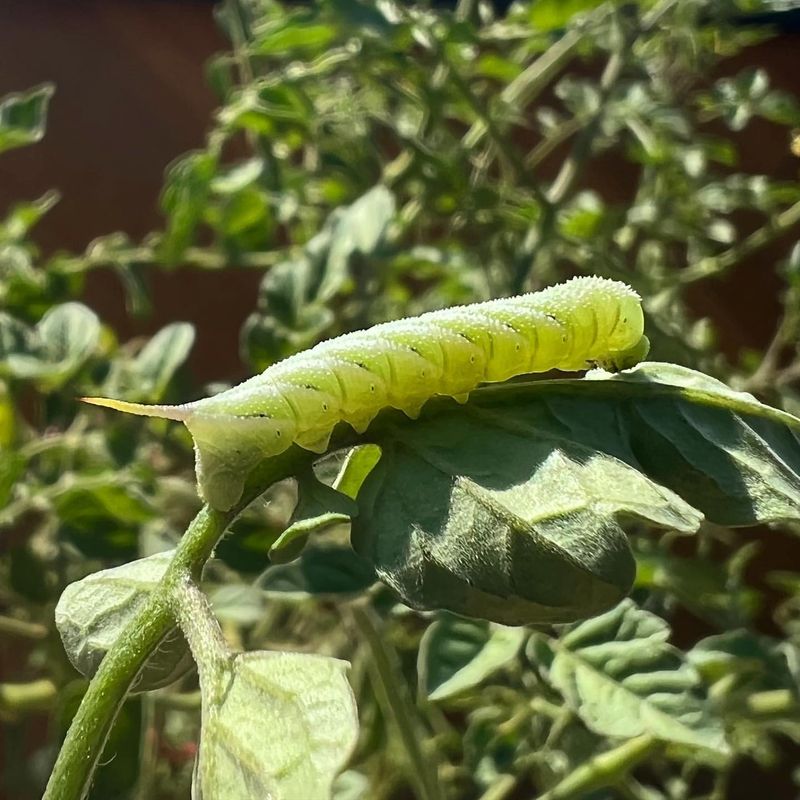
131, 96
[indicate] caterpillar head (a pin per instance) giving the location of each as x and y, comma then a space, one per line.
625, 359
629, 326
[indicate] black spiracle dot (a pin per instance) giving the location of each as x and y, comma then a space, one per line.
517, 347
278, 434
472, 359
324, 406
372, 387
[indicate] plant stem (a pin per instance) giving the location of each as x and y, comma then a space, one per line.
18, 627
604, 769
500, 789
571, 168
528, 84
765, 376
202, 631
549, 143
771, 703
199, 257
567, 177
714, 266
86, 737
17, 698
387, 689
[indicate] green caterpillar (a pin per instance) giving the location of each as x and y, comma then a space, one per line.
571, 326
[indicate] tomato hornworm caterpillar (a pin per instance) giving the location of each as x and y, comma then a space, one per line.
571, 326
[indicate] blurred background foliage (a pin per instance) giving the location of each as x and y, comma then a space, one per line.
369, 161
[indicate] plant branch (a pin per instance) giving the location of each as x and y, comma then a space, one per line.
147, 256
87, 735
546, 146
501, 788
570, 170
715, 266
768, 372
18, 627
504, 146
535, 78
21, 698
604, 769
386, 683
202, 631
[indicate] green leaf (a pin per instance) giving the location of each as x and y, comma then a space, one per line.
619, 674
357, 230
24, 216
456, 655
319, 508
740, 663
16, 338
735, 459
291, 35
322, 571
709, 588
92, 612
63, 341
547, 15
358, 463
508, 507
184, 199
241, 604
276, 725
292, 311
101, 515
160, 358
23, 117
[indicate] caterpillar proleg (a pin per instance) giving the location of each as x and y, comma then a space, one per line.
571, 326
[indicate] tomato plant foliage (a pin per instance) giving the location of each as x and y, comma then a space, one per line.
492, 600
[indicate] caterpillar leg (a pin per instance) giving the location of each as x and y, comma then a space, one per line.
412, 409
360, 423
315, 442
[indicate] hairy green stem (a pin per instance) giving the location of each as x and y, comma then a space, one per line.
387, 686
87, 735
83, 745
91, 725
203, 633
604, 769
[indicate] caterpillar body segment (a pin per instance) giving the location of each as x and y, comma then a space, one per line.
570, 326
